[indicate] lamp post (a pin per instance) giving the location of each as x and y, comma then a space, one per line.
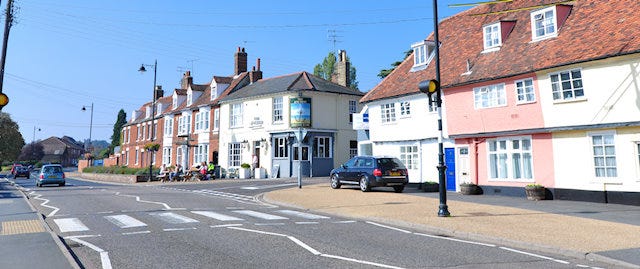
33, 141
84, 108
430, 87
153, 110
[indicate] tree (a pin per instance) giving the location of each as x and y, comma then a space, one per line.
32, 152
385, 72
11, 140
117, 128
325, 70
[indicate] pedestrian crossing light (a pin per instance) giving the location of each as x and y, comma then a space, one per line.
4, 100
429, 87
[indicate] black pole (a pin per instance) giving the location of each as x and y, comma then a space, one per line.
7, 25
443, 209
153, 112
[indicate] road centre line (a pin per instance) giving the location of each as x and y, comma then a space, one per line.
104, 256
389, 227
140, 232
535, 255
143, 201
314, 251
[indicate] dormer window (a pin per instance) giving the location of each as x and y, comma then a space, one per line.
214, 92
423, 52
189, 97
492, 36
175, 102
544, 23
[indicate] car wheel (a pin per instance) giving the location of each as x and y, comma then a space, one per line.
62, 184
364, 184
398, 189
38, 184
335, 182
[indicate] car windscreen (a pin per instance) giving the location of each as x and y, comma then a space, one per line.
52, 169
390, 163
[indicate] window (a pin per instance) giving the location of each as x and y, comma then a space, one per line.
234, 154
216, 119
202, 121
322, 147
277, 110
126, 157
305, 153
179, 154
143, 128
489, 96
136, 157
543, 23
353, 148
524, 91
168, 127
175, 102
492, 36
423, 52
433, 106
166, 155
184, 124
235, 117
189, 97
510, 158
353, 108
138, 129
409, 156
604, 155
280, 148
201, 153
567, 85
388, 113
405, 109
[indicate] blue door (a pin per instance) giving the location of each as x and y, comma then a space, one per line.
450, 162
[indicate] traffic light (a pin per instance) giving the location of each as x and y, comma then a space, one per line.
4, 100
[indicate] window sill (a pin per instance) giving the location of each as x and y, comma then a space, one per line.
420, 67
491, 49
575, 100
525, 103
502, 180
545, 37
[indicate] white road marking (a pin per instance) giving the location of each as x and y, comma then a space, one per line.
144, 201
104, 256
314, 251
140, 232
269, 224
344, 221
535, 255
456, 240
179, 229
45, 202
259, 215
226, 225
302, 214
173, 218
267, 186
70, 225
307, 222
216, 216
389, 227
124, 221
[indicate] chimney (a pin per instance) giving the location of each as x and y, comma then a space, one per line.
240, 61
186, 80
159, 92
341, 69
255, 75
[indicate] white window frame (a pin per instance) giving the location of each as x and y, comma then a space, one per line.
235, 154
184, 124
235, 115
388, 113
410, 157
201, 153
609, 162
174, 102
280, 148
168, 127
322, 147
405, 109
278, 110
166, 156
492, 36
202, 121
126, 157
136, 159
216, 119
576, 91
433, 106
489, 96
353, 108
525, 94
505, 162
189, 97
540, 20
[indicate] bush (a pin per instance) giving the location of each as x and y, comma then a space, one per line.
245, 166
119, 170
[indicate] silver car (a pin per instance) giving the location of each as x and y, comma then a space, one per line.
51, 174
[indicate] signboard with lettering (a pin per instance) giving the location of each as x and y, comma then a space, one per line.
300, 112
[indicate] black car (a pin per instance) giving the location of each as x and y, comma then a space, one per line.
370, 171
21, 171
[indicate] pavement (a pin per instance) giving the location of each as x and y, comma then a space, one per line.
608, 233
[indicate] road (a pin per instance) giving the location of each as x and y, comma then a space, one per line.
224, 224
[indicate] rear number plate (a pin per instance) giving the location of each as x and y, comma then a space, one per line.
394, 173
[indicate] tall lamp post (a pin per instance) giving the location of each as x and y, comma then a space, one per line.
33, 141
430, 87
153, 109
84, 108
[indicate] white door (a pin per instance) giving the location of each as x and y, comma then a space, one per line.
462, 164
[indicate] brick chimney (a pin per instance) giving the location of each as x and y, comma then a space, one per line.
240, 58
255, 75
186, 80
341, 69
159, 92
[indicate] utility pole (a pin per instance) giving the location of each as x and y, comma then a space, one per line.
7, 25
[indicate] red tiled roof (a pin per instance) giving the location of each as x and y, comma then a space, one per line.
594, 29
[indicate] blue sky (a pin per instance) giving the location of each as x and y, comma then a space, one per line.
63, 55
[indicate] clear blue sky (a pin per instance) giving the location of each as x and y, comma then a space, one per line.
63, 55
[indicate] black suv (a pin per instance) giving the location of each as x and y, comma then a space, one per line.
370, 171
21, 171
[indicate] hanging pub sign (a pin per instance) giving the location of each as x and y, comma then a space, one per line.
300, 112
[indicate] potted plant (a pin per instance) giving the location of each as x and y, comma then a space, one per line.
430, 186
468, 188
244, 171
535, 192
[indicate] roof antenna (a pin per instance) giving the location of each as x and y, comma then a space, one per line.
333, 37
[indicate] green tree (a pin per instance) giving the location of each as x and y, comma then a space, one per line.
11, 140
385, 72
325, 70
117, 128
32, 152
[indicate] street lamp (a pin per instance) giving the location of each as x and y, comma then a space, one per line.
33, 141
153, 109
430, 87
84, 108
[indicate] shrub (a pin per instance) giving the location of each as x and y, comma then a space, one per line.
245, 166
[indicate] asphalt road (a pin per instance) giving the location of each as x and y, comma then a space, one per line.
224, 224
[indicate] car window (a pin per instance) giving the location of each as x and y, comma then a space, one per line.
368, 163
351, 163
390, 163
360, 162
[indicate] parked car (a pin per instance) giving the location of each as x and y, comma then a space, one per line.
21, 171
51, 174
13, 168
371, 171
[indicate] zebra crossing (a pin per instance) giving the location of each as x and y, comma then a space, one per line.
173, 218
